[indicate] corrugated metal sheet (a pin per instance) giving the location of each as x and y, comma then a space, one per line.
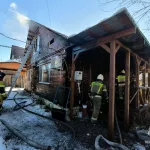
118, 22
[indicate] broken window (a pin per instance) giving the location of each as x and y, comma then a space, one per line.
44, 73
51, 42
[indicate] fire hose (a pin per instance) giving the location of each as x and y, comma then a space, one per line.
23, 137
30, 142
42, 116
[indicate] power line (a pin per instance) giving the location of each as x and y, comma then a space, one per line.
24, 41
54, 52
12, 38
5, 46
48, 12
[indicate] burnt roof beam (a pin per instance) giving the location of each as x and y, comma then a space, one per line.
132, 53
103, 40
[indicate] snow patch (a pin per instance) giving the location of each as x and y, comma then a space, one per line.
2, 145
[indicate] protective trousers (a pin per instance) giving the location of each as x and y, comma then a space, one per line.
121, 91
96, 107
1, 101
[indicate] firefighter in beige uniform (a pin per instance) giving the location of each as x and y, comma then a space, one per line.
2, 90
98, 89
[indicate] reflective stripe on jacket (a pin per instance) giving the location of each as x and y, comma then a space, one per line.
2, 87
98, 88
2, 84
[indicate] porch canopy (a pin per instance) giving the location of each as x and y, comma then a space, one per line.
112, 34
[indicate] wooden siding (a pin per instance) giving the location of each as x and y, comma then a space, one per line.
57, 77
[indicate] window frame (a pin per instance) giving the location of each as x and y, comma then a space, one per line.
37, 43
51, 42
41, 73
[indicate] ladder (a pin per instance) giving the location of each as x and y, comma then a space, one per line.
20, 69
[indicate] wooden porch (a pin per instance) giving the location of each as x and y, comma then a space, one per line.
112, 43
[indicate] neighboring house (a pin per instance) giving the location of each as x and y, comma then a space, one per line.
16, 52
45, 69
11, 66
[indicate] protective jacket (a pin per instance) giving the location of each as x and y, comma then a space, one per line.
2, 93
121, 79
99, 88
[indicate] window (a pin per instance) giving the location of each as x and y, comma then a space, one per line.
44, 73
50, 42
37, 42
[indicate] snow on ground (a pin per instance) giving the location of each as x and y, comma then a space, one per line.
2, 145
38, 129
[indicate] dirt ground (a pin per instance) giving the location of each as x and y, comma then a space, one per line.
86, 132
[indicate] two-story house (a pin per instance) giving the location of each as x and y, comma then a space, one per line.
45, 70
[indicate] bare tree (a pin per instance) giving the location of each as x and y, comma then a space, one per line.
142, 8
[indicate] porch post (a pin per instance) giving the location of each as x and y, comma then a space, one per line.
144, 80
72, 87
127, 92
137, 69
149, 79
111, 90
149, 75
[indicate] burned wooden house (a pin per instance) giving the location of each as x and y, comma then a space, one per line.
44, 67
114, 44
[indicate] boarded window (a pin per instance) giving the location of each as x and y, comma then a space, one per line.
44, 73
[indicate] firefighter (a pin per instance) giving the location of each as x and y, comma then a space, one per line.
98, 89
2, 90
121, 84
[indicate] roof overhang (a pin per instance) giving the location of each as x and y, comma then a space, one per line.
14, 66
120, 26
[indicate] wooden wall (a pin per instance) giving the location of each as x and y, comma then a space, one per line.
19, 82
57, 77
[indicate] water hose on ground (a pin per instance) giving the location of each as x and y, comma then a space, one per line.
15, 98
17, 107
109, 143
23, 137
118, 128
117, 124
49, 118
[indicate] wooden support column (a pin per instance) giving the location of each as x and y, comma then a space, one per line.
127, 92
137, 69
149, 75
72, 87
74, 58
149, 79
111, 90
144, 80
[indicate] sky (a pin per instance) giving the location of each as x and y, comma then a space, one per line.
66, 16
